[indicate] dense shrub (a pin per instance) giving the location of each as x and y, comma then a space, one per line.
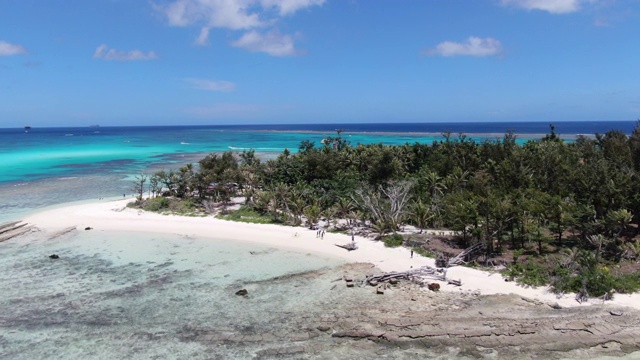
529, 273
247, 215
156, 204
393, 240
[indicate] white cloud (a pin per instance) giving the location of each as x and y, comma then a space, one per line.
203, 38
288, 7
7, 49
104, 53
551, 6
474, 46
212, 85
227, 14
272, 43
246, 15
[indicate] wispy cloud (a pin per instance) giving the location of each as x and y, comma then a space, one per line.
103, 52
212, 85
288, 7
272, 43
474, 46
8, 49
239, 15
550, 6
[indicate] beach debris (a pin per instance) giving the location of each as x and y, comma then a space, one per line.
434, 287
349, 246
556, 306
380, 290
466, 255
442, 261
13, 229
454, 282
54, 256
616, 312
393, 281
242, 292
415, 275
62, 232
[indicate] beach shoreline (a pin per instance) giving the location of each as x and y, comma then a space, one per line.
114, 215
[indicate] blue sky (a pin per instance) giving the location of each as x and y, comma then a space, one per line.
148, 62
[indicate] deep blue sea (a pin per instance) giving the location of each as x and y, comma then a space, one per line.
48, 166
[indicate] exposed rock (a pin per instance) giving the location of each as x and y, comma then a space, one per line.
54, 256
616, 312
242, 292
434, 287
88, 228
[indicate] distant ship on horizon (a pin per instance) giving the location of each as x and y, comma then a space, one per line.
27, 128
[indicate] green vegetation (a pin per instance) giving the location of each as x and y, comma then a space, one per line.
564, 211
393, 240
184, 207
423, 252
247, 215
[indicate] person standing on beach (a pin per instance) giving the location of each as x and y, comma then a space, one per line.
322, 234
412, 253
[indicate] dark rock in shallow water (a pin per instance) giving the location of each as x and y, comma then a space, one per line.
54, 256
242, 292
88, 228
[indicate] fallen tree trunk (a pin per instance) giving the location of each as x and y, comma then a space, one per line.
349, 247
466, 255
413, 275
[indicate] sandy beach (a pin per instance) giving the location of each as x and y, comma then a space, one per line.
108, 215
143, 285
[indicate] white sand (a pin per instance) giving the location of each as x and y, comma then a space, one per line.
114, 216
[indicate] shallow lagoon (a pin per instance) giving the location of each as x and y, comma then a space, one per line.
132, 295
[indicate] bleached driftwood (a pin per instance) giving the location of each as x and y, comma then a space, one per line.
14, 229
415, 275
471, 252
349, 246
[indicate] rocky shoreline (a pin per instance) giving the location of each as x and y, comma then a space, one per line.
409, 320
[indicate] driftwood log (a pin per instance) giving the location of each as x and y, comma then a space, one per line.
349, 246
13, 229
415, 275
466, 255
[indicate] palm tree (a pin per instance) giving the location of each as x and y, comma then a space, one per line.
312, 213
421, 215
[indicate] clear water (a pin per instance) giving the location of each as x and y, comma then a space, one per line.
108, 291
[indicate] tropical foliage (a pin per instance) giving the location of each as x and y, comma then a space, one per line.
573, 207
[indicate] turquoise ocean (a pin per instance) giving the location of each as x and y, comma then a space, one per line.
41, 167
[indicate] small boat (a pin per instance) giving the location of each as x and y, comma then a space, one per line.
27, 127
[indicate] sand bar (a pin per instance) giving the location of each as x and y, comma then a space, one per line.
115, 216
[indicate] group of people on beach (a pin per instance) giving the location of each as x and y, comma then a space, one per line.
320, 232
